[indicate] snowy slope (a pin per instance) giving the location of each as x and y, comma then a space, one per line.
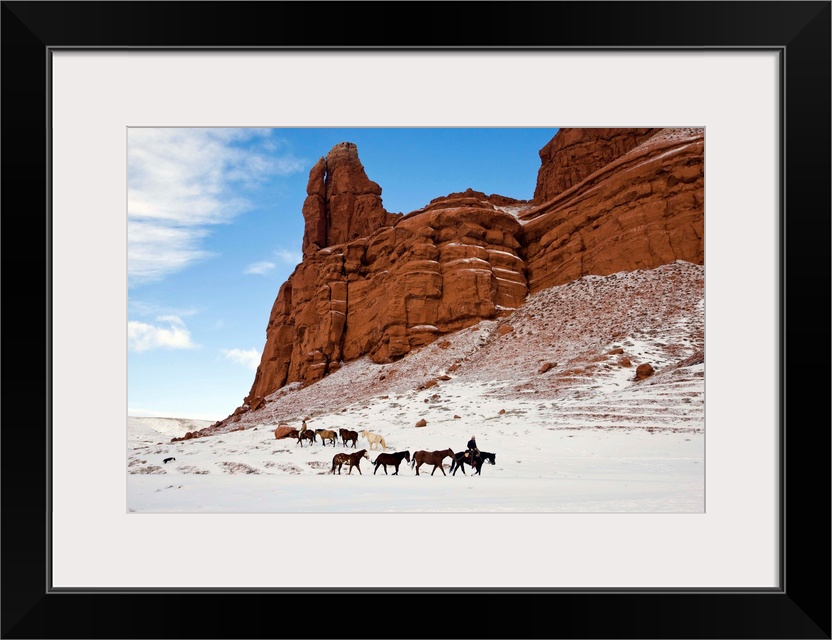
550, 388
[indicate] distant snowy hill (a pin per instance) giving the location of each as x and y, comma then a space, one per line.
163, 428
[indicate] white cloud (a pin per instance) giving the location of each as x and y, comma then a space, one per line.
155, 250
249, 358
289, 257
261, 268
265, 267
146, 309
181, 181
144, 337
287, 165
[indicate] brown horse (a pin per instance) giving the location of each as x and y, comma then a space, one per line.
306, 434
352, 459
349, 436
394, 459
431, 457
326, 434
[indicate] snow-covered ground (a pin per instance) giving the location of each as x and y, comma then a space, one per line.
550, 389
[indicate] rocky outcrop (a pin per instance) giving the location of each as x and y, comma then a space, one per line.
435, 271
643, 209
342, 203
575, 154
378, 284
284, 431
644, 371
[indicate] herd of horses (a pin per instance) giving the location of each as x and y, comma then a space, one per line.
329, 436
394, 460
348, 437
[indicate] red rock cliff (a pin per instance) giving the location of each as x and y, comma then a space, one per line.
642, 209
342, 203
373, 283
436, 270
574, 154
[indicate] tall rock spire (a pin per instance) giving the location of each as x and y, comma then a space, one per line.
342, 203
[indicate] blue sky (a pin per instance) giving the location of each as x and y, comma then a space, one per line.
215, 227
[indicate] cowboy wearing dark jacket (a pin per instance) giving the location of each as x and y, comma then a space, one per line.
472, 446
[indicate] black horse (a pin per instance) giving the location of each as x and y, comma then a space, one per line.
475, 460
489, 457
393, 459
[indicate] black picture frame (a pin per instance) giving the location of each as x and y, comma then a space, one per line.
799, 608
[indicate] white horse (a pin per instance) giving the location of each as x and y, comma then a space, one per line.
374, 439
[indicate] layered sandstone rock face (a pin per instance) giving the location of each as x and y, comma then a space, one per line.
642, 209
574, 154
383, 284
378, 284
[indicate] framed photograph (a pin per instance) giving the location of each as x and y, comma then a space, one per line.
427, 318
85, 81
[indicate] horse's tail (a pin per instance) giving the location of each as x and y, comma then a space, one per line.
383, 443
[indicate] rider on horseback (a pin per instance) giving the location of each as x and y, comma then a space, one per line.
472, 448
